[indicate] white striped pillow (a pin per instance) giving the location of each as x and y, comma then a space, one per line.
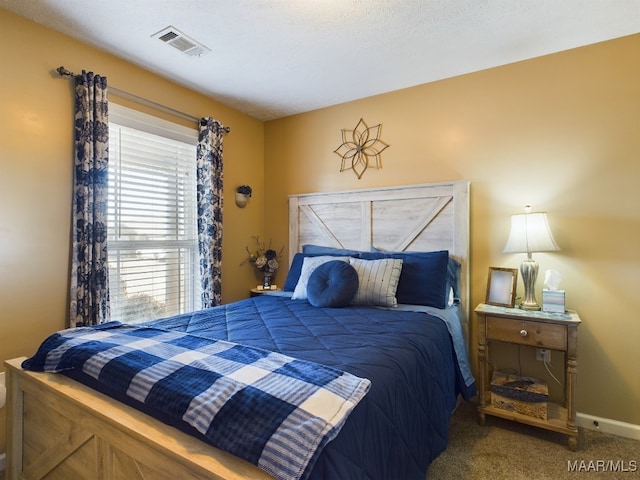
378, 281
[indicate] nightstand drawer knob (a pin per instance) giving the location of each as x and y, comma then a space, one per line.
523, 333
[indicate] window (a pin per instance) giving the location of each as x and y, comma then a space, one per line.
152, 229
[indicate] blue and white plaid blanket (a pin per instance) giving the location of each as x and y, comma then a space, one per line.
267, 408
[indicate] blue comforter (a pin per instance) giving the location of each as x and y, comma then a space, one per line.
401, 425
415, 371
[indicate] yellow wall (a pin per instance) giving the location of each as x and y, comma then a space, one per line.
36, 158
561, 133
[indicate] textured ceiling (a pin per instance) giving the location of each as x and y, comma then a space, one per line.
273, 58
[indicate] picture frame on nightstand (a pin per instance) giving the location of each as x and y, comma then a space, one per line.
501, 287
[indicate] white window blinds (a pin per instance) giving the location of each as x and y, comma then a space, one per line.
152, 233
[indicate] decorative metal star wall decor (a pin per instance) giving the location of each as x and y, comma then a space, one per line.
358, 146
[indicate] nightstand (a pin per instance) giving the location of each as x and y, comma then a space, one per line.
536, 329
261, 291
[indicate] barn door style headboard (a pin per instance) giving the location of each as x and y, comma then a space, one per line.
424, 217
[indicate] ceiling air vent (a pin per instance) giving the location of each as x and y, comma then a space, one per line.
174, 37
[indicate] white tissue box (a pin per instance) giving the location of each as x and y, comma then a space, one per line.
553, 301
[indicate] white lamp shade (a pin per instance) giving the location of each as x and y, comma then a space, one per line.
530, 232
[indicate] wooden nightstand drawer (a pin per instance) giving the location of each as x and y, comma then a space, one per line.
535, 334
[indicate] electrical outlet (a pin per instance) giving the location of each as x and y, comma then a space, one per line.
543, 355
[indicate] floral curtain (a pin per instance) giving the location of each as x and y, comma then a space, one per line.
209, 198
89, 271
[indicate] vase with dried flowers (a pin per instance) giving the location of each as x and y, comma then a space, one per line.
264, 259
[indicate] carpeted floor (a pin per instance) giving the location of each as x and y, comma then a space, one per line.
504, 450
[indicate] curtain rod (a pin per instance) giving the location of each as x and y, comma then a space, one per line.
63, 72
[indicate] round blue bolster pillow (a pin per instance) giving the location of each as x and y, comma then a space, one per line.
332, 284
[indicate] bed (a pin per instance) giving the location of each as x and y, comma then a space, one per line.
408, 360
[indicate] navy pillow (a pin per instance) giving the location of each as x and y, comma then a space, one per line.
424, 279
294, 273
332, 284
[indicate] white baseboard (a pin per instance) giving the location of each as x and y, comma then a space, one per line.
607, 425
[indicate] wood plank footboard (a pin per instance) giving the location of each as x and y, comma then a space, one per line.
61, 429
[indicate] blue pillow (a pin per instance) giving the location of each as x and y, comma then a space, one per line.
453, 271
294, 273
424, 279
332, 284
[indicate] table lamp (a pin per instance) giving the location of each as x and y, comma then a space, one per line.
530, 233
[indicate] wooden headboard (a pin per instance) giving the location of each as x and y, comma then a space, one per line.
422, 217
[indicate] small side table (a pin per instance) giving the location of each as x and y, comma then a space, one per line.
256, 291
538, 330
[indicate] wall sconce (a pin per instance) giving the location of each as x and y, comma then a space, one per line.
243, 193
530, 233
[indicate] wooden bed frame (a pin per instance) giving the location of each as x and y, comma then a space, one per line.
60, 429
